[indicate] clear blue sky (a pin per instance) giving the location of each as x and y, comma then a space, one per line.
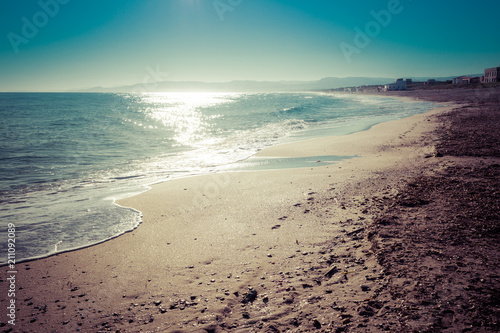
87, 43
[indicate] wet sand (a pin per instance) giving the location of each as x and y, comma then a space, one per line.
349, 247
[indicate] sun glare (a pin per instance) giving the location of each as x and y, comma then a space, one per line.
182, 113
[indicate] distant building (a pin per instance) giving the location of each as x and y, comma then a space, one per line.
475, 79
491, 75
408, 82
430, 81
400, 84
466, 80
460, 79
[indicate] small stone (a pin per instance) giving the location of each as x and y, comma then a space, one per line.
365, 288
250, 296
366, 311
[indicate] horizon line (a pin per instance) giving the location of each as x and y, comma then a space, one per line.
83, 90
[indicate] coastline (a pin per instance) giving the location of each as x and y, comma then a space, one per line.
93, 217
67, 243
206, 240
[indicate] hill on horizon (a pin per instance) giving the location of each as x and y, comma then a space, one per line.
255, 86
242, 85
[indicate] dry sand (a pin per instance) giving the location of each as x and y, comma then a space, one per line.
295, 250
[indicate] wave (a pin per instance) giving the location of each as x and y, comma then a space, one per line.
292, 110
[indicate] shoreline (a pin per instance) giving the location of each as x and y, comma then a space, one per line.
259, 154
213, 255
110, 236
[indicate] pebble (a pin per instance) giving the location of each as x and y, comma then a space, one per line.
250, 296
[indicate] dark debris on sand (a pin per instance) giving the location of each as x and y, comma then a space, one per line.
439, 241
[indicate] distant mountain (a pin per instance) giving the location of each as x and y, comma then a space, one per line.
256, 86
243, 86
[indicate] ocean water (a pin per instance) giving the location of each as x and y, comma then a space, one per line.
66, 157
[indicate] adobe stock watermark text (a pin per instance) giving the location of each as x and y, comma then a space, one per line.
223, 6
363, 37
31, 26
11, 273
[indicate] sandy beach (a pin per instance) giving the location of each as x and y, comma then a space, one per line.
400, 239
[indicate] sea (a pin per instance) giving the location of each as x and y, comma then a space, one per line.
65, 158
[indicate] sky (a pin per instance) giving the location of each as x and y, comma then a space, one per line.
58, 45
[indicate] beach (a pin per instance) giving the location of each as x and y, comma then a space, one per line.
401, 238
